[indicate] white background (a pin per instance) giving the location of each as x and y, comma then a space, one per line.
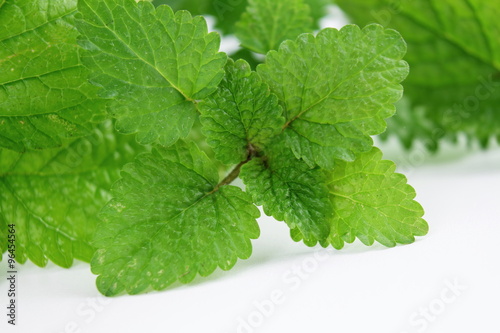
446, 282
357, 289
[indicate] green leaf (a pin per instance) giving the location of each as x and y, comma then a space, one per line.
373, 203
336, 89
44, 94
318, 10
290, 191
410, 124
242, 113
267, 23
454, 56
3, 234
53, 196
248, 56
170, 221
228, 12
152, 64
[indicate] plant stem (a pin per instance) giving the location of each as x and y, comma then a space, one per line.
236, 171
231, 176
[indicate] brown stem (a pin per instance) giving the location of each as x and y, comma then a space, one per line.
231, 176
236, 171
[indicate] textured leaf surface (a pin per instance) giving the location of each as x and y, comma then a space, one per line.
151, 63
167, 222
454, 56
228, 12
44, 94
289, 191
267, 23
336, 89
372, 203
240, 113
53, 196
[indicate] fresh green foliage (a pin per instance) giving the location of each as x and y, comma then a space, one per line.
240, 113
152, 64
53, 196
454, 55
3, 234
331, 110
187, 225
228, 12
227, 15
297, 129
44, 94
290, 191
410, 123
267, 23
370, 202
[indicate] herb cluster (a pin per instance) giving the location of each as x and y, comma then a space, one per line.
122, 127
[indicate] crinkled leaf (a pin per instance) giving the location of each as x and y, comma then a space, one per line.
168, 221
44, 94
245, 54
267, 23
242, 112
290, 191
53, 196
372, 203
228, 12
336, 89
454, 56
152, 64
